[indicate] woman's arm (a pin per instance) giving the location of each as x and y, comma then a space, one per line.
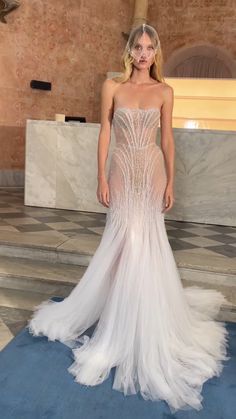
105, 129
104, 140
167, 143
167, 139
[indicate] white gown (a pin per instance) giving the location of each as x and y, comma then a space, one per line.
162, 338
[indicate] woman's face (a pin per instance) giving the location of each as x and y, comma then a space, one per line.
143, 52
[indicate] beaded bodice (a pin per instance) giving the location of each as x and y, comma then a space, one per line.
136, 127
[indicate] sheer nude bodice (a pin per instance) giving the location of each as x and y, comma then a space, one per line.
137, 175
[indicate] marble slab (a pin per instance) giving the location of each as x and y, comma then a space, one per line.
61, 165
205, 176
61, 170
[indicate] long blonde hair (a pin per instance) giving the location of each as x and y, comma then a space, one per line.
127, 60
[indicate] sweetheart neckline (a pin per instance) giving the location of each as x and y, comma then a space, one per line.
136, 109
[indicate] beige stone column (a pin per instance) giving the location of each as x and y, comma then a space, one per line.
140, 12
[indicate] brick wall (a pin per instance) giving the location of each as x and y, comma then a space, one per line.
74, 43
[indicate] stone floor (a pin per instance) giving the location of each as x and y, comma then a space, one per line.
208, 239
76, 232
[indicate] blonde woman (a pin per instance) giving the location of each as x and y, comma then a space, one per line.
161, 338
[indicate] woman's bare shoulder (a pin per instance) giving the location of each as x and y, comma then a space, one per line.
167, 89
110, 86
111, 83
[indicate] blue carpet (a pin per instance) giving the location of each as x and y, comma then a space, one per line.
35, 384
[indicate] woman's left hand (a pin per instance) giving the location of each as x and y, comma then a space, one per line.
168, 200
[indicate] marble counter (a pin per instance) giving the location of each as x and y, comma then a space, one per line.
205, 176
61, 165
61, 170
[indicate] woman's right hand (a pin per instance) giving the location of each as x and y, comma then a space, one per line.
103, 192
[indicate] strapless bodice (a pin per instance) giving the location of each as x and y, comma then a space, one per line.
135, 127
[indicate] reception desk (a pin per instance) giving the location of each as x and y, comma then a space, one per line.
61, 170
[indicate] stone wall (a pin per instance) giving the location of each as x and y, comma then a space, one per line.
72, 44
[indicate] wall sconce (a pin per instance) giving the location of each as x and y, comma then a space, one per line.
41, 85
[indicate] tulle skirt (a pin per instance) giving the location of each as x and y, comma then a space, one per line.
162, 338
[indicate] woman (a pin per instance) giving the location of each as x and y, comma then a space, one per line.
161, 337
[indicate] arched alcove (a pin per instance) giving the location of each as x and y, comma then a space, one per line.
201, 61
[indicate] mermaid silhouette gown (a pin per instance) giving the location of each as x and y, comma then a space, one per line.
162, 338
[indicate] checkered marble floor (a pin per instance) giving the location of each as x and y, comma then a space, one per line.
16, 306
12, 321
208, 239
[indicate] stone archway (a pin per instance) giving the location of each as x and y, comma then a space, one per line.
201, 61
